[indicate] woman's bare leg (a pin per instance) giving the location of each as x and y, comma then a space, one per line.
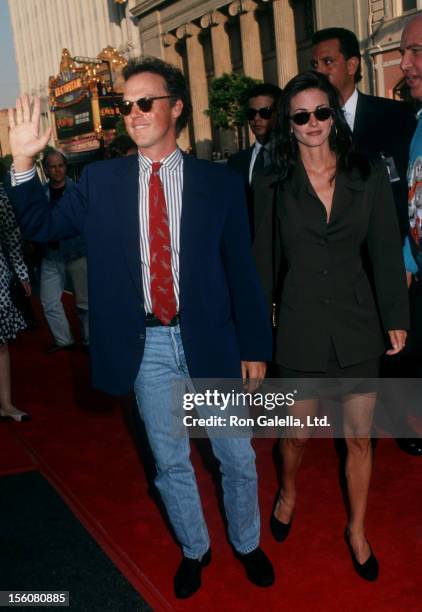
358, 413
292, 450
5, 393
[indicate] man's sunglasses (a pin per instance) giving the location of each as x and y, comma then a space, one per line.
265, 112
320, 114
144, 104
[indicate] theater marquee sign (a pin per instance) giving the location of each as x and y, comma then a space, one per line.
84, 99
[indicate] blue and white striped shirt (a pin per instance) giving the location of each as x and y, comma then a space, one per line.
171, 175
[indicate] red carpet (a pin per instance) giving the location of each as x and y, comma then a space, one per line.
80, 440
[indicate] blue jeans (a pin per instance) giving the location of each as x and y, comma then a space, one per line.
52, 284
162, 370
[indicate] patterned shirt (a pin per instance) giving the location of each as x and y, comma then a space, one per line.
171, 175
413, 244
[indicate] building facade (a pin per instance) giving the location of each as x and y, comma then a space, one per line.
43, 28
4, 133
264, 39
208, 38
385, 25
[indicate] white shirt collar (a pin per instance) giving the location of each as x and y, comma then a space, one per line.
350, 109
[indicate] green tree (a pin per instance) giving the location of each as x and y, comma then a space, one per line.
227, 99
120, 127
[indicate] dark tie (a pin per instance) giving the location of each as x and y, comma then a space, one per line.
162, 289
260, 163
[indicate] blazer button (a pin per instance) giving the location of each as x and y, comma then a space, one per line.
141, 336
325, 272
323, 242
327, 301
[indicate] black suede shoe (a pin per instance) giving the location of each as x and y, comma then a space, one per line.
368, 570
188, 576
259, 569
411, 446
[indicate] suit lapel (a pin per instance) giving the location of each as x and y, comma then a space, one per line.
361, 129
345, 189
193, 197
126, 200
358, 114
313, 209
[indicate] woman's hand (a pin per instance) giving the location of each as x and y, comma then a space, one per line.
397, 339
26, 287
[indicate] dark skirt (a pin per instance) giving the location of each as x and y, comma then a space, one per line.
361, 378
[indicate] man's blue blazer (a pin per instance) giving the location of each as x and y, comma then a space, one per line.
223, 316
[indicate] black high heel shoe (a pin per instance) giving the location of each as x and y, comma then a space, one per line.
279, 529
15, 414
367, 570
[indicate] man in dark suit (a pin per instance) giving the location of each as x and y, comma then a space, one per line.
261, 113
173, 295
380, 128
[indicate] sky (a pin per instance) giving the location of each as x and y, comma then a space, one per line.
9, 82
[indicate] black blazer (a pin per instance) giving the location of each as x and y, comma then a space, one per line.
240, 162
386, 127
261, 216
326, 293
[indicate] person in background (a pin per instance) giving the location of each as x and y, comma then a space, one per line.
61, 260
11, 320
381, 127
261, 113
121, 146
411, 65
253, 164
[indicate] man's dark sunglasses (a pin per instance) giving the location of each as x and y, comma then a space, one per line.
265, 112
320, 114
144, 104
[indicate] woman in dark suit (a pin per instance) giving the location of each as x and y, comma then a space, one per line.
331, 203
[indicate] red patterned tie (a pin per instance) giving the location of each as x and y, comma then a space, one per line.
162, 289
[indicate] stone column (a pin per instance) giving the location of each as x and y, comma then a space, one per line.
198, 89
220, 41
173, 57
285, 41
171, 54
249, 31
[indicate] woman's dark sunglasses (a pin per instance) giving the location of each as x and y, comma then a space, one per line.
320, 114
265, 112
144, 104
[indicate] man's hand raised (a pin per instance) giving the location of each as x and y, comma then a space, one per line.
24, 136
